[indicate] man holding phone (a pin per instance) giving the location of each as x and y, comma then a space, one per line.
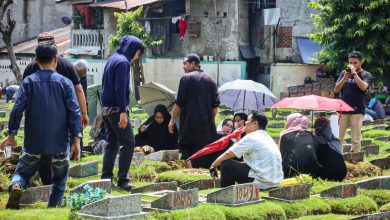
352, 84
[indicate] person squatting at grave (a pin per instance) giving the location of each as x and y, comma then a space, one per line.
197, 104
66, 69
10, 92
329, 152
262, 159
115, 99
352, 84
298, 147
154, 131
375, 108
52, 115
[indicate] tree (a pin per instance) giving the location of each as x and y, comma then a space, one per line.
128, 25
6, 31
347, 25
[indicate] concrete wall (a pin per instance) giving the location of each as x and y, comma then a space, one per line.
284, 74
110, 28
35, 16
218, 34
168, 71
6, 74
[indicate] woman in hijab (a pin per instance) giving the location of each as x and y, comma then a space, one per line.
154, 131
329, 152
298, 147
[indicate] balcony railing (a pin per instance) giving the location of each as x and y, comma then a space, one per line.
86, 38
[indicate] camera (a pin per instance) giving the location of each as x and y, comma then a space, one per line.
213, 172
348, 70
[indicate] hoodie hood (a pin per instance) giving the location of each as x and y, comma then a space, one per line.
129, 46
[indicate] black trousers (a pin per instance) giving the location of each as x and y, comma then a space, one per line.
233, 171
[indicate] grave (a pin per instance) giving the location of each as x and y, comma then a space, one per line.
276, 125
2, 114
347, 148
342, 191
356, 157
163, 155
102, 184
375, 216
378, 127
202, 184
156, 187
370, 149
115, 207
35, 194
176, 200
290, 193
382, 182
364, 142
2, 125
383, 163
84, 169
138, 159
236, 195
384, 139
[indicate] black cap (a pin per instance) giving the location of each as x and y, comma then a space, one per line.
192, 58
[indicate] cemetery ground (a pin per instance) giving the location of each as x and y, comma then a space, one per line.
366, 200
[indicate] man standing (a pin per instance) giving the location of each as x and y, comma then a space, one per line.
262, 159
115, 99
66, 69
197, 104
52, 113
352, 83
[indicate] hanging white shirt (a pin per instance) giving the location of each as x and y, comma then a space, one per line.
262, 155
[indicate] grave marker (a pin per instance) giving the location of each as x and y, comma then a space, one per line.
177, 200
137, 160
236, 195
290, 193
375, 216
84, 169
202, 184
115, 207
383, 163
347, 148
163, 155
384, 139
357, 157
36, 194
156, 187
2, 114
276, 125
342, 191
382, 182
102, 184
371, 149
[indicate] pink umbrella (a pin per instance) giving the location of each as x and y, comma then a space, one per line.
315, 103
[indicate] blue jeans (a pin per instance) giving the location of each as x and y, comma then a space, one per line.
372, 113
117, 137
29, 164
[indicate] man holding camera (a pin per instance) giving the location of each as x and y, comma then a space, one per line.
352, 84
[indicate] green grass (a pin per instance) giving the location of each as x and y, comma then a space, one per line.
35, 214
179, 176
312, 206
325, 217
385, 208
381, 197
375, 133
353, 206
208, 212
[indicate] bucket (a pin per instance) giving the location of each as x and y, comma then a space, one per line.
211, 58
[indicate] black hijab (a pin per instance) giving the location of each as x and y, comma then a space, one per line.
325, 136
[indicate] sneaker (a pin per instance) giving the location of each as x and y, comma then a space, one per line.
14, 199
125, 186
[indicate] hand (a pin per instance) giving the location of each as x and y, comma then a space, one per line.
213, 172
75, 151
84, 121
353, 69
171, 126
9, 140
123, 120
143, 128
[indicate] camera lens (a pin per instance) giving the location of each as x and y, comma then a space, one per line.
348, 69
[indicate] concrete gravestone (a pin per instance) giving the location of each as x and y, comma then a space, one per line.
202, 184
383, 163
357, 157
343, 191
276, 125
36, 194
156, 187
163, 155
137, 160
236, 195
291, 193
371, 149
102, 184
382, 182
177, 200
384, 139
84, 169
375, 216
116, 207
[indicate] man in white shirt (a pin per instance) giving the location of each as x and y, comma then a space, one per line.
262, 159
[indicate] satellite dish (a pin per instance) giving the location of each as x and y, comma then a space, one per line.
66, 20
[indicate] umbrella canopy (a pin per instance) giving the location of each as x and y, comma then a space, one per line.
246, 94
315, 103
153, 94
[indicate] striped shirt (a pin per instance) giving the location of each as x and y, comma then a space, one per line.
51, 111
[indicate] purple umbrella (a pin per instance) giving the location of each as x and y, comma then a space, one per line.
246, 94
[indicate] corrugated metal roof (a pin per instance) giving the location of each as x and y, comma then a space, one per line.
120, 4
61, 37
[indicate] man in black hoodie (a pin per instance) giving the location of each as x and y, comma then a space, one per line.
115, 99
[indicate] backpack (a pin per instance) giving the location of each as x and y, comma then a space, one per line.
299, 154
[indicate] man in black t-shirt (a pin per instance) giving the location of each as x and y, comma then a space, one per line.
352, 83
65, 68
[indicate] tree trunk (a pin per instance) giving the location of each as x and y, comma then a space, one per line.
11, 54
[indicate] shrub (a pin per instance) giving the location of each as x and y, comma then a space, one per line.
381, 197
78, 200
312, 206
363, 169
353, 206
267, 210
148, 170
181, 176
385, 208
202, 212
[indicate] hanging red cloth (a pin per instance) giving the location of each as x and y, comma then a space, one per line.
182, 27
